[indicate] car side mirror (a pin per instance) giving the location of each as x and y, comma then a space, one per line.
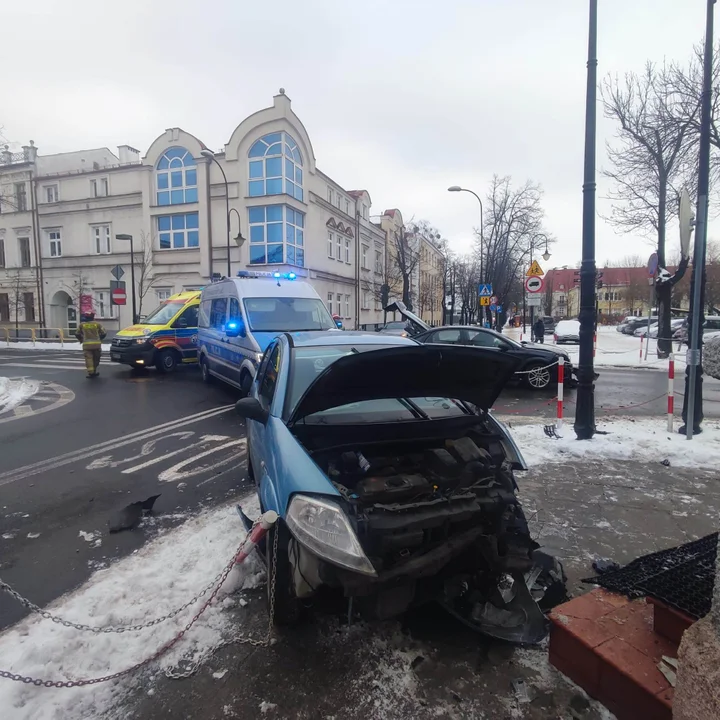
250, 408
181, 323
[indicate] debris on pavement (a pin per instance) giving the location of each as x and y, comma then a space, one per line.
130, 516
522, 691
602, 565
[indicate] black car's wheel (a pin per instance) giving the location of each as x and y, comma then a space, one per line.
284, 608
167, 361
207, 378
537, 376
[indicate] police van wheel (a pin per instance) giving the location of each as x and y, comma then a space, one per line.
207, 378
167, 361
245, 383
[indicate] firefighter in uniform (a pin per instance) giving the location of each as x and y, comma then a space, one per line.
91, 334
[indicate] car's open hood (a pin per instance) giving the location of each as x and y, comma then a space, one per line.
475, 375
418, 324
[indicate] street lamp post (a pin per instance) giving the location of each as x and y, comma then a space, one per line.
545, 256
457, 188
692, 412
126, 236
585, 408
210, 154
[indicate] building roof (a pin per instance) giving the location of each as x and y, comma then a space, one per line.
564, 279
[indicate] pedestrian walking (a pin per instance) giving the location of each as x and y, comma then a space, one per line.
91, 334
539, 331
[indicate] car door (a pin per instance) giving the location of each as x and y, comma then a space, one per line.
234, 344
186, 332
260, 448
217, 352
444, 336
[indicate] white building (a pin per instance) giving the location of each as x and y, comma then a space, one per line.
60, 216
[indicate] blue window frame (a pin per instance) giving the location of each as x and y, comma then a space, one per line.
277, 235
275, 167
176, 177
176, 232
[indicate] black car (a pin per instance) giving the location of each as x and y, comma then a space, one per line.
538, 363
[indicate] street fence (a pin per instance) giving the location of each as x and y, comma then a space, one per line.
37, 335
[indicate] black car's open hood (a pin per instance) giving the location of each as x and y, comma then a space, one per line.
476, 375
417, 324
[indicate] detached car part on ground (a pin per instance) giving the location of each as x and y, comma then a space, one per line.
537, 363
394, 484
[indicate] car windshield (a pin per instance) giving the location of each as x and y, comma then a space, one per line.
396, 325
284, 314
164, 314
309, 362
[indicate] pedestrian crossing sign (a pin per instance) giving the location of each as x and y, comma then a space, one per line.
535, 270
485, 290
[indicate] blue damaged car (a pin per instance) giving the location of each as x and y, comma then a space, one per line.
393, 482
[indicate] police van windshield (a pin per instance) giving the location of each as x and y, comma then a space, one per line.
164, 314
283, 314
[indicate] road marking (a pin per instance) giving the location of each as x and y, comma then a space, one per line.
35, 366
64, 396
174, 473
22, 410
55, 462
147, 449
204, 440
76, 361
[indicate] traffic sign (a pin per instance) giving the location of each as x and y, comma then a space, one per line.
118, 296
535, 270
652, 265
117, 272
534, 284
493, 307
493, 300
485, 290
485, 300
499, 308
534, 301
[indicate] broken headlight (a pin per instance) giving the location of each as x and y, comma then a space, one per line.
323, 528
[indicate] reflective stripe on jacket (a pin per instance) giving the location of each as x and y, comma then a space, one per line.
90, 334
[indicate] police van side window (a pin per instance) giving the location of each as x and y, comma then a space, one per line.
204, 315
234, 314
217, 313
269, 380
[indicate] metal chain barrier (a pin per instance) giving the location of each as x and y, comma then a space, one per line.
263, 642
536, 370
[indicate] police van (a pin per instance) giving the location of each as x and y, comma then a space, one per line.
239, 317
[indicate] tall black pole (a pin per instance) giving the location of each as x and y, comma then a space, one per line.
132, 280
585, 410
692, 412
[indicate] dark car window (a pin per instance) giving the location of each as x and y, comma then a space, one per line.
268, 380
234, 314
448, 336
478, 338
217, 313
190, 316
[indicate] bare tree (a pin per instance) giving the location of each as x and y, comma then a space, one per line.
646, 164
16, 285
145, 277
80, 291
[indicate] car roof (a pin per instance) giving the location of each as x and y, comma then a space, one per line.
318, 338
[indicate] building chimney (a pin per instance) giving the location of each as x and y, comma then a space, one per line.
128, 155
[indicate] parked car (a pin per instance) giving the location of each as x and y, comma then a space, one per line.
567, 331
675, 324
538, 363
623, 324
636, 323
549, 324
393, 483
711, 325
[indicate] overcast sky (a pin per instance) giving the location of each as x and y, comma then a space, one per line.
400, 97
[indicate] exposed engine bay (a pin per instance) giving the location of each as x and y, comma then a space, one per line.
439, 520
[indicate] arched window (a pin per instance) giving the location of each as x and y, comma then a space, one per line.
275, 167
176, 177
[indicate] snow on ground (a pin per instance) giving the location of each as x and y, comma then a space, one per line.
161, 576
16, 392
641, 439
615, 350
47, 345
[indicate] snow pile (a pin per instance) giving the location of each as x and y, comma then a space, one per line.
156, 579
16, 392
644, 440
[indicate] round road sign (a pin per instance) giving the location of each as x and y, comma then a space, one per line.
652, 265
119, 296
534, 284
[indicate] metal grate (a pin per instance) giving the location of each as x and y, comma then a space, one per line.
682, 577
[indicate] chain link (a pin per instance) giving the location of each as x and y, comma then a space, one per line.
221, 577
536, 370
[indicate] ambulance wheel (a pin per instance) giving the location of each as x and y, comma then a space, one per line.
287, 608
167, 361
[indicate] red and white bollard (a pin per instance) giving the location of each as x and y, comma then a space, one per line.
671, 392
267, 520
561, 389
641, 347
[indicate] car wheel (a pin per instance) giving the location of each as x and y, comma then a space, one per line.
537, 376
207, 378
284, 608
245, 383
167, 361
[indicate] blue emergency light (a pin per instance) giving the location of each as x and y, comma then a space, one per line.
276, 275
